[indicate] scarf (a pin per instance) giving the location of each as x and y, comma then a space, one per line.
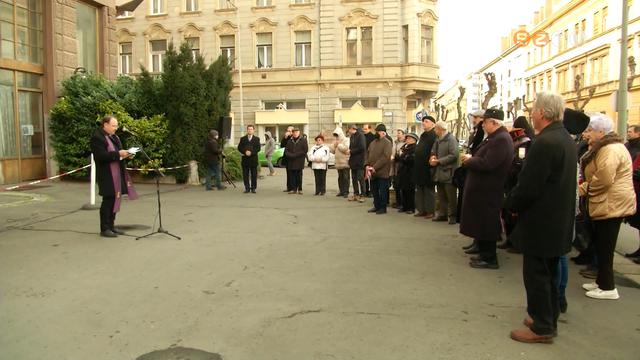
117, 181
590, 155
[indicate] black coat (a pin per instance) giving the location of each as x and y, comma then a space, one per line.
283, 145
370, 137
212, 152
634, 148
405, 167
476, 138
358, 149
545, 196
296, 153
483, 193
253, 146
421, 167
103, 159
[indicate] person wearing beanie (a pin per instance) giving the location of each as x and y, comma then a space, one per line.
212, 154
296, 153
425, 187
377, 169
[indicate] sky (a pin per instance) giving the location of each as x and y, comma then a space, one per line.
469, 32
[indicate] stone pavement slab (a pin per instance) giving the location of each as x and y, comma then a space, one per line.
271, 276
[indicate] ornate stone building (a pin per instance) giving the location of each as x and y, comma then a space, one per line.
311, 64
42, 43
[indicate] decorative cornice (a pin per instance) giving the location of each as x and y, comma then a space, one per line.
225, 28
358, 17
124, 35
302, 22
263, 25
191, 30
428, 17
157, 31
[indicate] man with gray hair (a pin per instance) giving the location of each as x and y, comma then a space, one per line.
544, 200
444, 159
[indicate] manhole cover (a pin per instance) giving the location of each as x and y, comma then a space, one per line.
180, 353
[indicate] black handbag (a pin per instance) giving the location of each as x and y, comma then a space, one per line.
583, 226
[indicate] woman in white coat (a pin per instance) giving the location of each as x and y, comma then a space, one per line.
319, 157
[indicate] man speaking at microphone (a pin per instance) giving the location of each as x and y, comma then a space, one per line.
113, 180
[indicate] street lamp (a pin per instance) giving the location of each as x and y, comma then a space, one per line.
239, 52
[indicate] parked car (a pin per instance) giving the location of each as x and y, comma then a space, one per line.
276, 158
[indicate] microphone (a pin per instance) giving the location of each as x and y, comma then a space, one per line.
124, 129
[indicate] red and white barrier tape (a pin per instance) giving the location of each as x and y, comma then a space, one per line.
47, 179
161, 169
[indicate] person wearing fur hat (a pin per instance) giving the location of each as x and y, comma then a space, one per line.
340, 148
377, 167
319, 157
404, 175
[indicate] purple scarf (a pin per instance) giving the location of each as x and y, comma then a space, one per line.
117, 182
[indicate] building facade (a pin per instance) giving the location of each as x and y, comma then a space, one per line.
42, 43
310, 64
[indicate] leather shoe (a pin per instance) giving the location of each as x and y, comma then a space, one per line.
634, 254
469, 246
528, 322
475, 249
117, 232
108, 233
372, 210
439, 218
420, 214
381, 211
525, 335
482, 264
429, 215
637, 261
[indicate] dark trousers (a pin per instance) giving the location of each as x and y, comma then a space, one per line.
488, 250
447, 199
296, 180
107, 216
250, 172
605, 236
459, 203
357, 178
379, 188
540, 277
213, 170
343, 181
321, 180
289, 182
409, 199
398, 191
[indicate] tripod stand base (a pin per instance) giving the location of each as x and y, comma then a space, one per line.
159, 231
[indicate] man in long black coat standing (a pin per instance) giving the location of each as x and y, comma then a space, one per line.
357, 152
296, 153
425, 186
487, 172
369, 137
110, 173
544, 200
249, 147
283, 145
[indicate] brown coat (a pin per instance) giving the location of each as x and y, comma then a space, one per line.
608, 183
379, 156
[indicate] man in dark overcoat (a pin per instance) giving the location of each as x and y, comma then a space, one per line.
423, 177
296, 153
357, 153
544, 200
111, 176
487, 172
249, 146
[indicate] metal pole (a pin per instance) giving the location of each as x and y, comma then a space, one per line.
622, 86
239, 52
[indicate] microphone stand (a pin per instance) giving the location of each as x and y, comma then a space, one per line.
158, 173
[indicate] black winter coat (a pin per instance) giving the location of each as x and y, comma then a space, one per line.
483, 193
253, 146
103, 159
296, 153
545, 196
358, 149
634, 148
283, 145
421, 168
212, 152
370, 137
405, 162
476, 138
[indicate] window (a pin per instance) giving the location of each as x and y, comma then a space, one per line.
412, 104
549, 81
352, 46
157, 7
427, 44
21, 37
264, 49
565, 37
194, 44
287, 104
605, 14
224, 4
562, 80
191, 5
228, 48
367, 45
366, 102
359, 45
158, 49
125, 14
125, 58
303, 48
87, 36
263, 3
596, 23
302, 1
405, 44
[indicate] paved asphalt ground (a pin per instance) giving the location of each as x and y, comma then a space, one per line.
271, 276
